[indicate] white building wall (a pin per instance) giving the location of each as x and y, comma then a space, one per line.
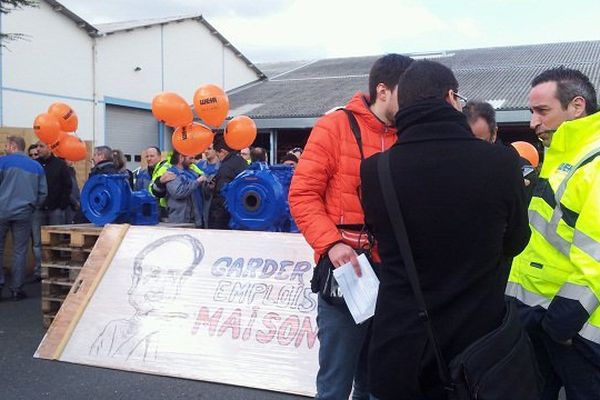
119, 54
177, 57
54, 63
60, 62
236, 72
193, 57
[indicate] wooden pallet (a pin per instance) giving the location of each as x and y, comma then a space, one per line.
78, 235
65, 249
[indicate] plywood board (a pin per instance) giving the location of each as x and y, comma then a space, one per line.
222, 306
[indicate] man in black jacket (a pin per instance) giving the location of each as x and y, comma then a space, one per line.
463, 204
53, 211
103, 161
231, 165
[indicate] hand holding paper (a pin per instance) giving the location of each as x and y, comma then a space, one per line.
360, 293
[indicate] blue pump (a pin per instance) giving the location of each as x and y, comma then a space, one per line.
257, 199
107, 199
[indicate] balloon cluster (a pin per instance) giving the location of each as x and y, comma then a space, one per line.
54, 127
211, 105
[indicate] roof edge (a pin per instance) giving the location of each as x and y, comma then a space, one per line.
80, 22
211, 29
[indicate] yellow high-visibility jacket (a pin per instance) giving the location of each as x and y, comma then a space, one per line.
159, 171
559, 270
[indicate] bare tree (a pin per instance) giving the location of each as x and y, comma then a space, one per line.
6, 6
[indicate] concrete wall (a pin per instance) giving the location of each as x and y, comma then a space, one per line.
54, 63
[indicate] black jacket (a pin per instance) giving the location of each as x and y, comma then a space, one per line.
104, 167
231, 166
464, 206
58, 178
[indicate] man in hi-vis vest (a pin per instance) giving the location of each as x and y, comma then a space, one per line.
556, 279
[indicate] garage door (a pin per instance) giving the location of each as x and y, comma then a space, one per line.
131, 130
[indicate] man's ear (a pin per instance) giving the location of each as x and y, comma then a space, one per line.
577, 107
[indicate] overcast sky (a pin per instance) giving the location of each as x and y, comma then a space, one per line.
280, 30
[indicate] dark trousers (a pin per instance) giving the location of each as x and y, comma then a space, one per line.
566, 366
20, 230
342, 354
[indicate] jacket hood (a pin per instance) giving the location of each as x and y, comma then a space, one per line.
359, 105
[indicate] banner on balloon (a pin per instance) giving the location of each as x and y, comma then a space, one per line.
211, 104
186, 303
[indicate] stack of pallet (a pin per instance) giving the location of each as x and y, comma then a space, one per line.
65, 248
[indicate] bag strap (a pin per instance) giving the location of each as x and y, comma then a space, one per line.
355, 130
397, 221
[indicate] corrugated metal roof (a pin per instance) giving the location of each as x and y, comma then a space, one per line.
501, 75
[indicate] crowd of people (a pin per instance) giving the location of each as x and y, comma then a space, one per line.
37, 188
483, 239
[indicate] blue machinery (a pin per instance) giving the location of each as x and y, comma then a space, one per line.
257, 199
107, 199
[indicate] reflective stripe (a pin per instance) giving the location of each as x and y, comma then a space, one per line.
587, 244
531, 299
590, 332
548, 230
582, 294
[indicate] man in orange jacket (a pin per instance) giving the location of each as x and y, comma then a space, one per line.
325, 203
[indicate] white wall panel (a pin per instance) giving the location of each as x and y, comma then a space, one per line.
119, 54
193, 56
20, 110
55, 58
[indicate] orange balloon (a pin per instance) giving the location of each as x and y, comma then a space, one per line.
66, 116
55, 147
46, 127
192, 139
172, 109
240, 132
528, 152
211, 104
72, 148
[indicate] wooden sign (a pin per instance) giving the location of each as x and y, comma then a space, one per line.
223, 306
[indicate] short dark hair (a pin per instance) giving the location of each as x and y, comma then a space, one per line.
425, 80
289, 157
570, 83
155, 148
105, 151
175, 157
31, 147
219, 144
17, 141
119, 159
474, 110
387, 70
258, 154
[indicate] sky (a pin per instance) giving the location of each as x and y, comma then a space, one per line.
285, 30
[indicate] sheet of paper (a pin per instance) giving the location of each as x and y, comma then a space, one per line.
360, 294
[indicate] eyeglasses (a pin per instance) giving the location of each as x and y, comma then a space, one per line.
462, 99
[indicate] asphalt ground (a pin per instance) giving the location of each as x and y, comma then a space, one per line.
25, 377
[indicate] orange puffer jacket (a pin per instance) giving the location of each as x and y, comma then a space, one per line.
324, 189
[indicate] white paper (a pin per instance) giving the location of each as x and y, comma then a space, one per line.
360, 294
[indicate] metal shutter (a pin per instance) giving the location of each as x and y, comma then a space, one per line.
132, 131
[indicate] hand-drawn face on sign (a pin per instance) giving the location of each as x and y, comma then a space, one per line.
160, 269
